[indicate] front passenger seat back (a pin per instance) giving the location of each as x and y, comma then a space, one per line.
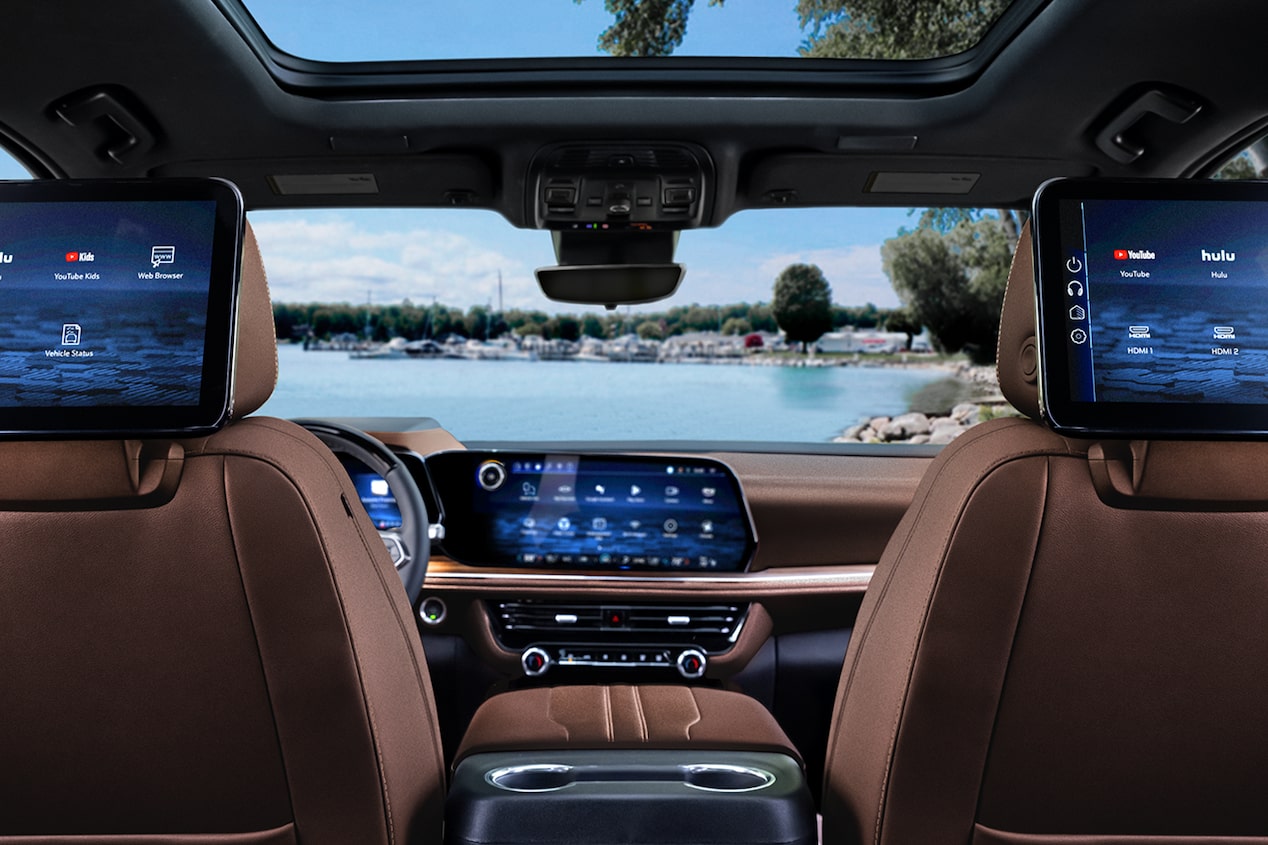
1063, 642
226, 658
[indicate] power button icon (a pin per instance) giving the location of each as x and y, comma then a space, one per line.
1074, 265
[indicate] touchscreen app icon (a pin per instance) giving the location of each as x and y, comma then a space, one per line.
162, 255
1224, 333
1120, 255
71, 334
1078, 336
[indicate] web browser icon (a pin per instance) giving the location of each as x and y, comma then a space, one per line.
162, 255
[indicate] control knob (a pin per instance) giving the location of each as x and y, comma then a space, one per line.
691, 663
535, 661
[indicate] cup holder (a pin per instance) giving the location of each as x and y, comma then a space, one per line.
540, 777
711, 777
718, 778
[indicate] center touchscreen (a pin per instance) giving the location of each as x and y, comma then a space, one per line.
1153, 304
607, 512
116, 305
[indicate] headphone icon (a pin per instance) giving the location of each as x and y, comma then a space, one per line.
1075, 288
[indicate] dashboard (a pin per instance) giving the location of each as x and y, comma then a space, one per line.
555, 583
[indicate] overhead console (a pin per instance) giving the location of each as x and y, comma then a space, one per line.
607, 186
600, 513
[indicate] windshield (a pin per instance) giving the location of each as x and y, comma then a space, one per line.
386, 30
791, 325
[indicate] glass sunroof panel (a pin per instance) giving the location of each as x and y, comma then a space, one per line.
395, 30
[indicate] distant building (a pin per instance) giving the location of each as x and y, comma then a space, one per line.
865, 341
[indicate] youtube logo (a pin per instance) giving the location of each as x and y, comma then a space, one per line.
1134, 254
72, 256
1120, 255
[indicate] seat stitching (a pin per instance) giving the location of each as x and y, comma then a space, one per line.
691, 696
638, 709
255, 634
550, 712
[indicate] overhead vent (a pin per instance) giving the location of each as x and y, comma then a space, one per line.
713, 627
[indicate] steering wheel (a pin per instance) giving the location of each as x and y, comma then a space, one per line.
410, 544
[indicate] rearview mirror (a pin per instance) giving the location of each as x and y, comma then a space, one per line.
610, 285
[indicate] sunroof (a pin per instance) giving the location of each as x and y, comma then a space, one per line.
405, 30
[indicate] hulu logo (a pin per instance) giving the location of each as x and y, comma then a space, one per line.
1222, 255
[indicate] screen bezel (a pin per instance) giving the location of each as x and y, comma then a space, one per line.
1121, 419
213, 407
453, 476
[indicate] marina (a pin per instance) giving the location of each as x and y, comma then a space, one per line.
597, 399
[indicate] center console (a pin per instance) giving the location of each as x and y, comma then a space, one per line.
626, 740
654, 797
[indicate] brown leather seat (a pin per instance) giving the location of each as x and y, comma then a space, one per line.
206, 641
1063, 643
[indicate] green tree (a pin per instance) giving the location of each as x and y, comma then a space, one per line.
838, 29
650, 330
762, 318
953, 283
802, 303
894, 29
592, 326
901, 320
736, 325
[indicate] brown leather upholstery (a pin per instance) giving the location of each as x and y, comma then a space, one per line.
1017, 354
255, 361
1061, 644
205, 642
623, 716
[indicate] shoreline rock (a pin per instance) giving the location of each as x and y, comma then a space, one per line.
916, 428
938, 429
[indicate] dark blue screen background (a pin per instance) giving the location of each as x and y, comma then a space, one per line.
141, 337
1182, 301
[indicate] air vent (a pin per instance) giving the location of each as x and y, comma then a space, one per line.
710, 626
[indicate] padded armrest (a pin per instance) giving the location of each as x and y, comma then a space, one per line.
623, 716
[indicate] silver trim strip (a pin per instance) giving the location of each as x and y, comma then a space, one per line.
827, 579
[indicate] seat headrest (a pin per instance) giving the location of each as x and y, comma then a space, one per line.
255, 363
1017, 354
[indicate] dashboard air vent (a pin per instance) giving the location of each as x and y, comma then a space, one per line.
710, 626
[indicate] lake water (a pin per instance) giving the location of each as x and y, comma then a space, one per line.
579, 400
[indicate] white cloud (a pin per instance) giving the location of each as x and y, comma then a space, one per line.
854, 272
341, 261
346, 259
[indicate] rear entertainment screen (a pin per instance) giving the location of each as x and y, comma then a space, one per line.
1153, 306
116, 305
593, 512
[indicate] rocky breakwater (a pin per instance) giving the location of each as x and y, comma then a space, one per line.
915, 427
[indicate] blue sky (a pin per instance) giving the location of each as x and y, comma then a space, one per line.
456, 255
336, 30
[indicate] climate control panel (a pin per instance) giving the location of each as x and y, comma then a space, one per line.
688, 662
